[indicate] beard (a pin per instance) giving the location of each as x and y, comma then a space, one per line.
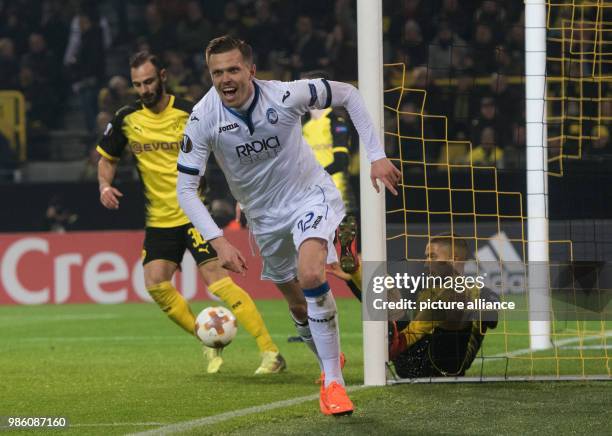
150, 100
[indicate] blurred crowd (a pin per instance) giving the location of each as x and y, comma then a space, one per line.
467, 55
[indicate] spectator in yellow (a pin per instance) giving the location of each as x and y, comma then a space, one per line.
487, 153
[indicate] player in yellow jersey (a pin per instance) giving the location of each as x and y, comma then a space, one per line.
328, 132
445, 342
152, 129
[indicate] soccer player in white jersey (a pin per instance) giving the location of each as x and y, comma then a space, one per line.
293, 207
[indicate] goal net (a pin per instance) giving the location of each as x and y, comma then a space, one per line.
518, 176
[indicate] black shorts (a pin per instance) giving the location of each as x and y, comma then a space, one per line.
170, 244
443, 353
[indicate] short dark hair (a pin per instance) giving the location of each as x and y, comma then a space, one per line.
226, 43
315, 74
456, 244
144, 56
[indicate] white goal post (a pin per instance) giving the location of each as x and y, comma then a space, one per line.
373, 235
537, 174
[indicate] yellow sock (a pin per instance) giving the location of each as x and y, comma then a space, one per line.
244, 308
356, 277
173, 303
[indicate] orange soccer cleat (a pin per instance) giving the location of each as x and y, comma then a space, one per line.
321, 379
335, 401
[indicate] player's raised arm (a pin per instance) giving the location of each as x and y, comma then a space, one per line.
191, 166
320, 93
343, 94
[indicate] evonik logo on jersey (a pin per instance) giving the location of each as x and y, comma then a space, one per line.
259, 150
137, 147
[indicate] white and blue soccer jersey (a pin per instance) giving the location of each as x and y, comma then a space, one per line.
267, 163
262, 153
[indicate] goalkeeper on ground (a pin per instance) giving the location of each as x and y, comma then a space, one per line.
441, 343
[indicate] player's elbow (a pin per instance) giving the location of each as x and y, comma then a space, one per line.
105, 162
183, 195
343, 85
342, 93
180, 196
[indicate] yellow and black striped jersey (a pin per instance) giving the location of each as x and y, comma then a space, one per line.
327, 134
154, 139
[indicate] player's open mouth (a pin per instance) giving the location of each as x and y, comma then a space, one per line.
229, 92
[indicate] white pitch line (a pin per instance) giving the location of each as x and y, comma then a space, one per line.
588, 347
558, 344
214, 419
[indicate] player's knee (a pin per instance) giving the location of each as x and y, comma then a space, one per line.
311, 276
153, 280
212, 272
157, 272
163, 293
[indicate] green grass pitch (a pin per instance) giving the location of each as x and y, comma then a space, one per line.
120, 369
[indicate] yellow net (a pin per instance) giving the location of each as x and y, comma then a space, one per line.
579, 77
444, 189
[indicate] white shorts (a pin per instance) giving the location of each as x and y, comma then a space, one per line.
316, 215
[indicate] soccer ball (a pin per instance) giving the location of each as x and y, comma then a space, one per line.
216, 327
